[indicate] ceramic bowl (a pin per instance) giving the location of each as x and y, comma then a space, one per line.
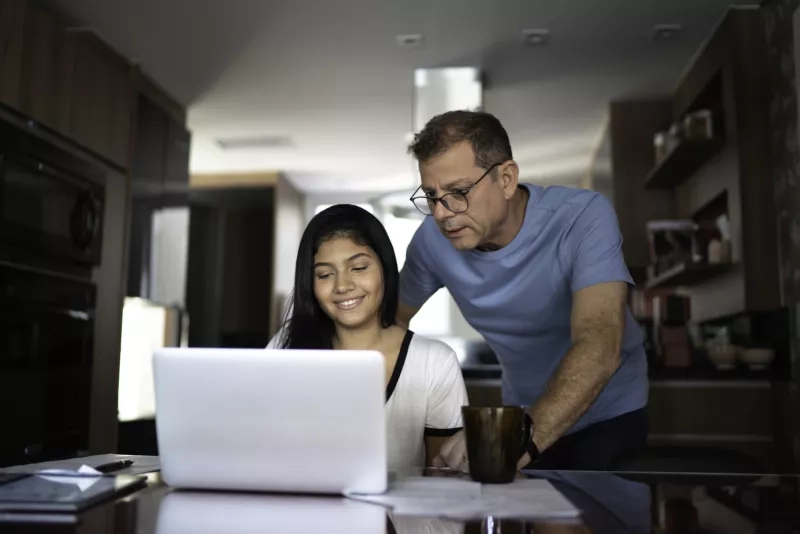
757, 358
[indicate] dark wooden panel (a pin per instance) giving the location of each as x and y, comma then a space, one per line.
717, 409
759, 222
706, 64
42, 40
12, 16
120, 113
102, 99
62, 96
176, 158
632, 124
149, 88
149, 147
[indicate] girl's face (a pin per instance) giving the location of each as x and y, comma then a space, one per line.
348, 282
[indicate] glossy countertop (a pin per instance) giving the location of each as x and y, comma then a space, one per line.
609, 502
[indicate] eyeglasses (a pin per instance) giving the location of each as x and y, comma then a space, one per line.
456, 201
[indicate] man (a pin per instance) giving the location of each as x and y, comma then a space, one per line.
539, 272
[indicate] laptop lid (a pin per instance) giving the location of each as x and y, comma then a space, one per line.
307, 421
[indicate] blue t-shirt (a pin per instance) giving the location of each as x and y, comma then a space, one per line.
519, 298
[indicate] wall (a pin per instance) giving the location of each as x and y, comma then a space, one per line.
170, 244
600, 176
290, 221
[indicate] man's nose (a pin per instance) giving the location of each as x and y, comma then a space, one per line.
440, 213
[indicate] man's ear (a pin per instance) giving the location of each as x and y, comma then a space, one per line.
509, 177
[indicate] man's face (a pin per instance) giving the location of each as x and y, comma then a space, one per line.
455, 171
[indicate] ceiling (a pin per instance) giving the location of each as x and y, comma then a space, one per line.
329, 77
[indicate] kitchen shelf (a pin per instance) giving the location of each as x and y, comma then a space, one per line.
685, 274
703, 373
680, 163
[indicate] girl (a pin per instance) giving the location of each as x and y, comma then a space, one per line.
345, 297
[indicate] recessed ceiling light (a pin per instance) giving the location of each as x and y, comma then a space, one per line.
410, 40
666, 32
535, 36
261, 141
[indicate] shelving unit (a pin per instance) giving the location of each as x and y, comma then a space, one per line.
687, 274
682, 162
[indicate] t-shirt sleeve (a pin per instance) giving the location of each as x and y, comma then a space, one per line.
446, 394
594, 247
418, 280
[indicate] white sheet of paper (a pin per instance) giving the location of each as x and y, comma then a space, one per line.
83, 483
463, 499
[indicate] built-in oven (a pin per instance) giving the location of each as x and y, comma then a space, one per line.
51, 219
46, 348
51, 202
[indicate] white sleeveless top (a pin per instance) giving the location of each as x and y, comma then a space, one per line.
424, 398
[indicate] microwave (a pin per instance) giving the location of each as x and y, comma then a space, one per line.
51, 202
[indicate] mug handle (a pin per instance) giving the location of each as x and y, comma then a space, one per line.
527, 430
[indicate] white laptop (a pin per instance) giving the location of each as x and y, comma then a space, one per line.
300, 421
206, 512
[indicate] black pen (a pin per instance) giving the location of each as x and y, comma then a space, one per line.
114, 466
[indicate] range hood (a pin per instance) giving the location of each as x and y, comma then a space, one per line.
439, 90
436, 90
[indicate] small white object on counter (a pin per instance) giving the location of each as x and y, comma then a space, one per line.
461, 499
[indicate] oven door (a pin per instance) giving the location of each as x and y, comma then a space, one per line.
47, 209
46, 344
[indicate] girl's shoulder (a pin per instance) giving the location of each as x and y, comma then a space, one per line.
434, 351
430, 344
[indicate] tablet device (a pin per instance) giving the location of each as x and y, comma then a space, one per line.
40, 492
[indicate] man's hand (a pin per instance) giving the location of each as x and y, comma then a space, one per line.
523, 462
453, 453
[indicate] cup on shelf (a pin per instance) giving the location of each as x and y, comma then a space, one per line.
723, 356
699, 125
721, 351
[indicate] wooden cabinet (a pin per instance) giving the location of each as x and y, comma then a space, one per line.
176, 158
102, 99
149, 148
73, 83
726, 81
12, 16
46, 65
159, 178
161, 151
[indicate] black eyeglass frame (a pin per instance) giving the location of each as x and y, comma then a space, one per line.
442, 200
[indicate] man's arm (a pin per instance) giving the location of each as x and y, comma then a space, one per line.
405, 313
599, 279
598, 325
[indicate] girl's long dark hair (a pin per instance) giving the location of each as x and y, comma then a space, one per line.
306, 326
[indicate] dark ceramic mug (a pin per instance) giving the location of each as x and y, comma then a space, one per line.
496, 439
